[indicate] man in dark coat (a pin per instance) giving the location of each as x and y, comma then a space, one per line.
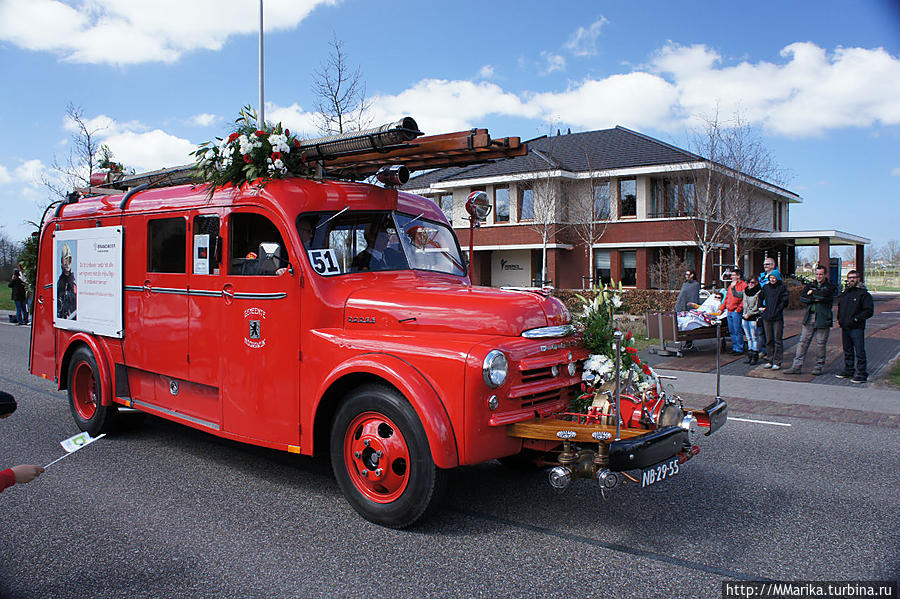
775, 296
818, 297
689, 293
18, 297
855, 306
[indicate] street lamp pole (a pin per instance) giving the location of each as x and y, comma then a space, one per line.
261, 121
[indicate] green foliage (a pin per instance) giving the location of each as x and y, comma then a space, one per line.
596, 318
250, 155
28, 258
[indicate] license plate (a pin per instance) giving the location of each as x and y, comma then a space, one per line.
661, 471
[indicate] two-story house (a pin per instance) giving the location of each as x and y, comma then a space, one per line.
607, 205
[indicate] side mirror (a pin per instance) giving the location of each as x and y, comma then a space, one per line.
478, 206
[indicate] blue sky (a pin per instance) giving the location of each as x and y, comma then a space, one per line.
820, 79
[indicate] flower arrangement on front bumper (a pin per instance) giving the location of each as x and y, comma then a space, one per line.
597, 326
250, 155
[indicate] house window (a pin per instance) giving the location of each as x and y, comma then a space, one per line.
526, 204
688, 199
501, 205
602, 272
166, 244
629, 268
601, 201
662, 199
446, 204
627, 197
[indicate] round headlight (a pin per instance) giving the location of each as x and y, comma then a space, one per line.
571, 368
494, 368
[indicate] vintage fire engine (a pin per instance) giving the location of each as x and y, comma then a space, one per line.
324, 316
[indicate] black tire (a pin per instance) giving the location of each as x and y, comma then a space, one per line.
85, 391
402, 485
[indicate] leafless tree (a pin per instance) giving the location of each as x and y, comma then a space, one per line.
890, 253
340, 91
76, 169
589, 215
668, 272
710, 185
749, 163
546, 207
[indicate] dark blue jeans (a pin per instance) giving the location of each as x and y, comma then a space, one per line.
21, 313
854, 343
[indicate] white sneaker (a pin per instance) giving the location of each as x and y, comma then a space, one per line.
776, 367
767, 365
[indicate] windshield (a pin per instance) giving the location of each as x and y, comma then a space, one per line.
347, 242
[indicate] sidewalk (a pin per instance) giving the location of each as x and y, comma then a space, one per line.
867, 399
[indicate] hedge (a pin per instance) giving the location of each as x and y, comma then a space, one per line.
635, 301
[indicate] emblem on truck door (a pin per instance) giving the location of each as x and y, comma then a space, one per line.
254, 317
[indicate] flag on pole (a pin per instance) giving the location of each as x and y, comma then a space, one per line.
78, 441
74, 443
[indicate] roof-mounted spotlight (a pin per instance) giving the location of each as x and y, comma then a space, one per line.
392, 176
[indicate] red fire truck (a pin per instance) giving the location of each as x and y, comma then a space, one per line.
316, 316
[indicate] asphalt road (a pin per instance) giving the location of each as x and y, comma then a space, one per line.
162, 510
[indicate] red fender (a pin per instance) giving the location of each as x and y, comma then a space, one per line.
417, 390
100, 357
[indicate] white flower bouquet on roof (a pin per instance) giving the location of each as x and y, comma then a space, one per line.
250, 155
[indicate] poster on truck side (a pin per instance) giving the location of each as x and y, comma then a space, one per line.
87, 280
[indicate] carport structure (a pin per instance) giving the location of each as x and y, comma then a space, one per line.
781, 244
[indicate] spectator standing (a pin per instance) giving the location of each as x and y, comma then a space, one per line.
734, 303
768, 268
752, 295
855, 306
689, 292
18, 296
818, 297
775, 300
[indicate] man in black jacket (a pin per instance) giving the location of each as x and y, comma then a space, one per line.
817, 320
775, 297
855, 306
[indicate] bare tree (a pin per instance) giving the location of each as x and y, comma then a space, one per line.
548, 195
749, 162
340, 90
710, 185
76, 169
589, 215
890, 253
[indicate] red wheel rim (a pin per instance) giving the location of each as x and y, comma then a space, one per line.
84, 390
376, 457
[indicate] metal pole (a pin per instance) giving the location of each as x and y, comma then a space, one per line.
471, 245
261, 121
718, 354
618, 337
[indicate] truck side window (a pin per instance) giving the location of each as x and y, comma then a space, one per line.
206, 253
166, 245
256, 246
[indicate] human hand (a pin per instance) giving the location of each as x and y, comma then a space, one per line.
25, 473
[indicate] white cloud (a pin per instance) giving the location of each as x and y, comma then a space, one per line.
293, 117
635, 100
124, 32
806, 94
584, 41
486, 72
29, 172
895, 172
551, 62
204, 119
439, 105
4, 175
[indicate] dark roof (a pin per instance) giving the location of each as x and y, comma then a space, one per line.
574, 152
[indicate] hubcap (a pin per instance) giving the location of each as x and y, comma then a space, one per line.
377, 457
84, 391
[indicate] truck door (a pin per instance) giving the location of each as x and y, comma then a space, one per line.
159, 344
260, 337
205, 298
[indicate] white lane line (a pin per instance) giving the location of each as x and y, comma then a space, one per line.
758, 421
